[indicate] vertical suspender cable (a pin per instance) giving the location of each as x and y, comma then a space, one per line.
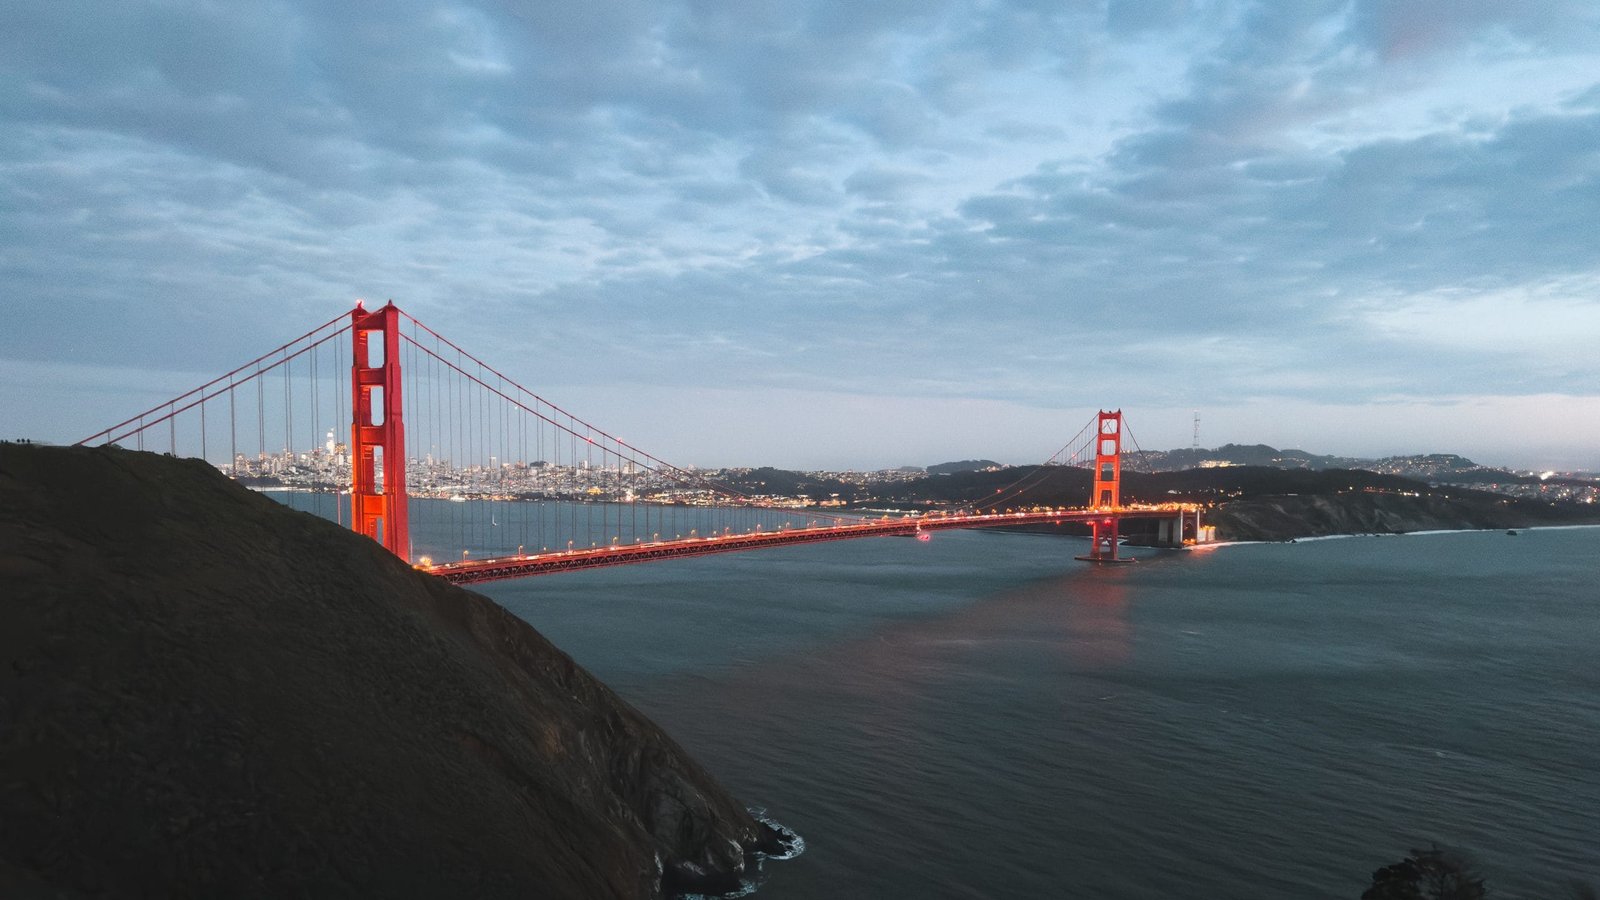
482, 459
457, 461
522, 462
572, 485
288, 409
233, 431
316, 403
261, 420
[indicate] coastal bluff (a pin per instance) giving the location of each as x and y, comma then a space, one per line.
205, 693
1282, 518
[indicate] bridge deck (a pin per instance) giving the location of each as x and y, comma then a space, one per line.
495, 569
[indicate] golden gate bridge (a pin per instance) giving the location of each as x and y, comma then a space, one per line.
489, 447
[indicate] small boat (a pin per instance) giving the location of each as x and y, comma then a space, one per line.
1512, 532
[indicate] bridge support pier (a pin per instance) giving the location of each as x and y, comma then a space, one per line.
1169, 532
1103, 542
1181, 530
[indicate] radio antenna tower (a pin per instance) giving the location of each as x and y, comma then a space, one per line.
1196, 444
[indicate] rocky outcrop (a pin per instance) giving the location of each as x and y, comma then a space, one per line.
203, 693
1279, 518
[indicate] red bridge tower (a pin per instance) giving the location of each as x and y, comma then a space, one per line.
378, 511
1107, 494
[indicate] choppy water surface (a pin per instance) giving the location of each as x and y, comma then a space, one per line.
980, 716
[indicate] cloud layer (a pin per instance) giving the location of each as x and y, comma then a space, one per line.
1346, 209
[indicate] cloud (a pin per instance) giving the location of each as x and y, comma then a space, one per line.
1398, 30
1036, 204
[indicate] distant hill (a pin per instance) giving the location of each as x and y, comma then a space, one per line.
786, 483
1444, 467
1070, 485
1233, 455
1254, 502
965, 465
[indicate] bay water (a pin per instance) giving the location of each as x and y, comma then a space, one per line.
982, 716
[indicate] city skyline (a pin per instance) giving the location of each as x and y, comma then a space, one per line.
826, 236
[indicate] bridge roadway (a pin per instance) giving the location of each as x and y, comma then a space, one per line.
495, 569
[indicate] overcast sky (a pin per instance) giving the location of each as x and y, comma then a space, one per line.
834, 233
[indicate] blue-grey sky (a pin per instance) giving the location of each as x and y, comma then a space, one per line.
832, 233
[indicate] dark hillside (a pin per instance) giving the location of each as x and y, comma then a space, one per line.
963, 465
767, 481
203, 693
1070, 485
1016, 486
1258, 502
1254, 481
1277, 518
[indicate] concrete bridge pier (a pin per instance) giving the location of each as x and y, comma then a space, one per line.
1104, 538
1184, 529
1169, 532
